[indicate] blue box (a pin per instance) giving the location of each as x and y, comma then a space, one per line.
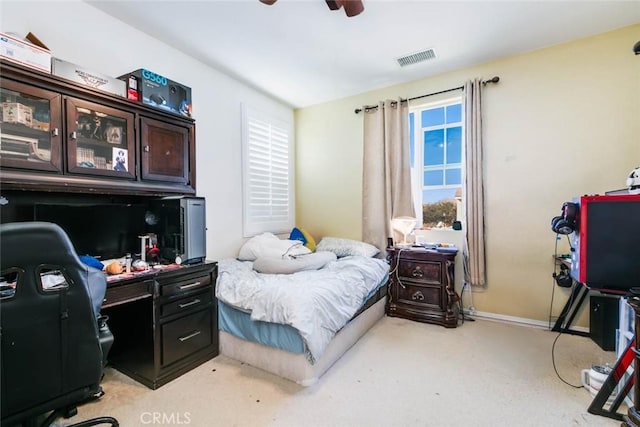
159, 92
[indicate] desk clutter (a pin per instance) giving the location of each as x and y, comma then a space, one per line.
118, 273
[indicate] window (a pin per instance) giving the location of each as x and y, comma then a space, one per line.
436, 135
267, 152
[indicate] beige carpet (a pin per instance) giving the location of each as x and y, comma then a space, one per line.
401, 373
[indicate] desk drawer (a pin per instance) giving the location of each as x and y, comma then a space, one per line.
185, 305
185, 285
186, 335
119, 294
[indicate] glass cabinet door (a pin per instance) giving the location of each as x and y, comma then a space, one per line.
30, 128
101, 140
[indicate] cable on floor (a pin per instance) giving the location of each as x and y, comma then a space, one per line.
464, 317
553, 361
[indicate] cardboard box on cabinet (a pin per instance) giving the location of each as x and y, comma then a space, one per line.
24, 53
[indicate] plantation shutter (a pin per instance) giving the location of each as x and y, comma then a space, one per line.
267, 159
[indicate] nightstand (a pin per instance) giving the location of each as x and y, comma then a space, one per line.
421, 286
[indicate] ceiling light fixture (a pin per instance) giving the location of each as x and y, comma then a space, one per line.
351, 7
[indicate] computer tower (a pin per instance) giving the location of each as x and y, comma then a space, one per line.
180, 227
603, 321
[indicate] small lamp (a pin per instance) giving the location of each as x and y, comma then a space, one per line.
404, 225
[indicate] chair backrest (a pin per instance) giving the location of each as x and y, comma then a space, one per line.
51, 355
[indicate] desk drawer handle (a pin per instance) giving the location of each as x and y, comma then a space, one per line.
188, 337
417, 296
191, 285
417, 272
195, 301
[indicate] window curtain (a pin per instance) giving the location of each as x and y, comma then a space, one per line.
386, 179
474, 250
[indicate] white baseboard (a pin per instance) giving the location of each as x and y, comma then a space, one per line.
517, 320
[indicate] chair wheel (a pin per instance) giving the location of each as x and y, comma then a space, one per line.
70, 412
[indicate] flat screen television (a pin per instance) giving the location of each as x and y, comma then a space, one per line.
605, 246
104, 231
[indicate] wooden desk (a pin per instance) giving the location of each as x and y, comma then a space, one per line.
164, 322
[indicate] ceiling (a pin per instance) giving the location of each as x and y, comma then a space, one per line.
302, 53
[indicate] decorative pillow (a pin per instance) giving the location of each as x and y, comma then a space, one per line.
346, 247
269, 245
312, 261
304, 236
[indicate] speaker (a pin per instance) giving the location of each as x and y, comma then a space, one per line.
566, 222
603, 321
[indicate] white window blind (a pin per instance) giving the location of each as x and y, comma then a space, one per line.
267, 173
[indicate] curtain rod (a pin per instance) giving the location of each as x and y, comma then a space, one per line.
494, 79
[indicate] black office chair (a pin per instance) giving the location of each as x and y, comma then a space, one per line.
51, 356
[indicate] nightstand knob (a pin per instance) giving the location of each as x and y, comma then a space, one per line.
417, 272
417, 296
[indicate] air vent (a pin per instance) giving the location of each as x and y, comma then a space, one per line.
414, 58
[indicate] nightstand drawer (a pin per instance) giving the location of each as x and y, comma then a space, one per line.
419, 295
424, 271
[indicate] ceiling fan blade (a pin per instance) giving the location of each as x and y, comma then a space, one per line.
351, 7
333, 4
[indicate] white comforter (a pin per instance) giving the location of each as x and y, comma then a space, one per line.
317, 303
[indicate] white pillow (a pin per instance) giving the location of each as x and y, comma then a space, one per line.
269, 245
312, 261
346, 247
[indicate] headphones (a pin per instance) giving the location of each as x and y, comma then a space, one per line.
566, 223
563, 279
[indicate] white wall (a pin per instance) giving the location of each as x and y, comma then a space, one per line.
77, 32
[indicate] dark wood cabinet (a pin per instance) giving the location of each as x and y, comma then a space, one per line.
60, 136
164, 324
165, 151
421, 286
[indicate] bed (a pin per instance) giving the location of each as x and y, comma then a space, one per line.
297, 325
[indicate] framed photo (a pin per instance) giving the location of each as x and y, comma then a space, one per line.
113, 134
120, 159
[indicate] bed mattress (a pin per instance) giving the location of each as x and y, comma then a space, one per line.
295, 366
284, 337
317, 303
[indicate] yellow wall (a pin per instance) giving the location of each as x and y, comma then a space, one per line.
563, 121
